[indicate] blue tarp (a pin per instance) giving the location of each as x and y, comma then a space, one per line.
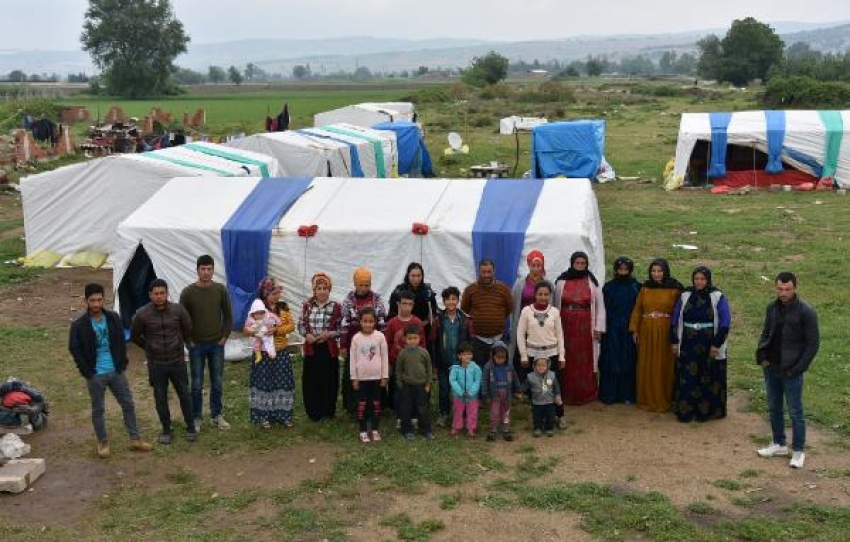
719, 141
413, 157
568, 149
246, 237
775, 137
356, 168
504, 214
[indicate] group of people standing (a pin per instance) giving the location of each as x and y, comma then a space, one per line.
656, 344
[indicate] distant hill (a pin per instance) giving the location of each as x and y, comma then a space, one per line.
396, 54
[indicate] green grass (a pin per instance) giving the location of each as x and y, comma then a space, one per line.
406, 529
701, 507
729, 485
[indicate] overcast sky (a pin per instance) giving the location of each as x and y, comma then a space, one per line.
56, 24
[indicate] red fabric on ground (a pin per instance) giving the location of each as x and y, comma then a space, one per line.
763, 179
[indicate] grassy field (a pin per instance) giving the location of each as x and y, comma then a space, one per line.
745, 239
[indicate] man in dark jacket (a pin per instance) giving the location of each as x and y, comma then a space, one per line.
788, 345
96, 342
162, 329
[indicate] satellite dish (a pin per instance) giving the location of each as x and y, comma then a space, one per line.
455, 141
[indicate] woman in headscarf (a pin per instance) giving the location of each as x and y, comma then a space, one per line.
523, 296
698, 331
618, 356
272, 380
650, 329
319, 325
579, 298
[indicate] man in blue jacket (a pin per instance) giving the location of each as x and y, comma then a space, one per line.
789, 342
96, 342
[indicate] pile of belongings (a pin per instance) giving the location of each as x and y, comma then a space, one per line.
22, 404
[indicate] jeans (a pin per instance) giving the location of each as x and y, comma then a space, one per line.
445, 389
368, 404
117, 383
159, 375
199, 356
413, 398
543, 416
791, 389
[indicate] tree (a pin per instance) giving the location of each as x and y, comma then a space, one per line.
234, 75
667, 63
300, 72
17, 76
134, 43
594, 67
486, 70
747, 52
421, 70
185, 76
216, 74
362, 73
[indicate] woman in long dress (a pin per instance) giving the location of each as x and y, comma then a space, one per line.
618, 359
272, 380
650, 329
319, 325
579, 298
700, 325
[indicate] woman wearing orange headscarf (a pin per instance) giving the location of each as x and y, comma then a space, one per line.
319, 325
523, 296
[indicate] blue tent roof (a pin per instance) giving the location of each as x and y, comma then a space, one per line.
569, 149
413, 157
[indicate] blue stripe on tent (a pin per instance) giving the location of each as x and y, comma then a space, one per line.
246, 237
775, 138
356, 168
504, 214
808, 161
719, 141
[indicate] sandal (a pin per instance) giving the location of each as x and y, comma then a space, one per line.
376, 437
364, 438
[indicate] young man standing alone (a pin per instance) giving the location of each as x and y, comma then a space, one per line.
209, 308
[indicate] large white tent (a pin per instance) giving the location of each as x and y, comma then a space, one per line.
78, 207
367, 114
812, 142
445, 224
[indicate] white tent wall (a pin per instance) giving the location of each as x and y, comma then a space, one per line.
521, 124
78, 207
366, 114
365, 150
173, 236
388, 139
300, 155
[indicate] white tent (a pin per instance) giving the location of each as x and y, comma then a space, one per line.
376, 149
799, 139
300, 155
513, 123
367, 114
563, 218
78, 207
386, 138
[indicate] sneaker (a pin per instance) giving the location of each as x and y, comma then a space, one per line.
508, 436
491, 436
103, 449
550, 433
191, 436
410, 436
798, 459
429, 435
139, 445
164, 438
441, 420
265, 424
537, 433
376, 437
773, 450
398, 423
198, 422
562, 422
220, 422
415, 422
364, 437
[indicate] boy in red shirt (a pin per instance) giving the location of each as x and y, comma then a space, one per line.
394, 333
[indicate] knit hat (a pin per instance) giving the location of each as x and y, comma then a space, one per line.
362, 274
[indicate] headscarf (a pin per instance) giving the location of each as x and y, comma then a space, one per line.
705, 271
573, 273
667, 281
536, 255
362, 274
266, 287
320, 277
630, 265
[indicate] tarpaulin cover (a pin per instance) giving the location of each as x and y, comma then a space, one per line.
775, 139
413, 157
719, 140
504, 213
570, 149
246, 236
